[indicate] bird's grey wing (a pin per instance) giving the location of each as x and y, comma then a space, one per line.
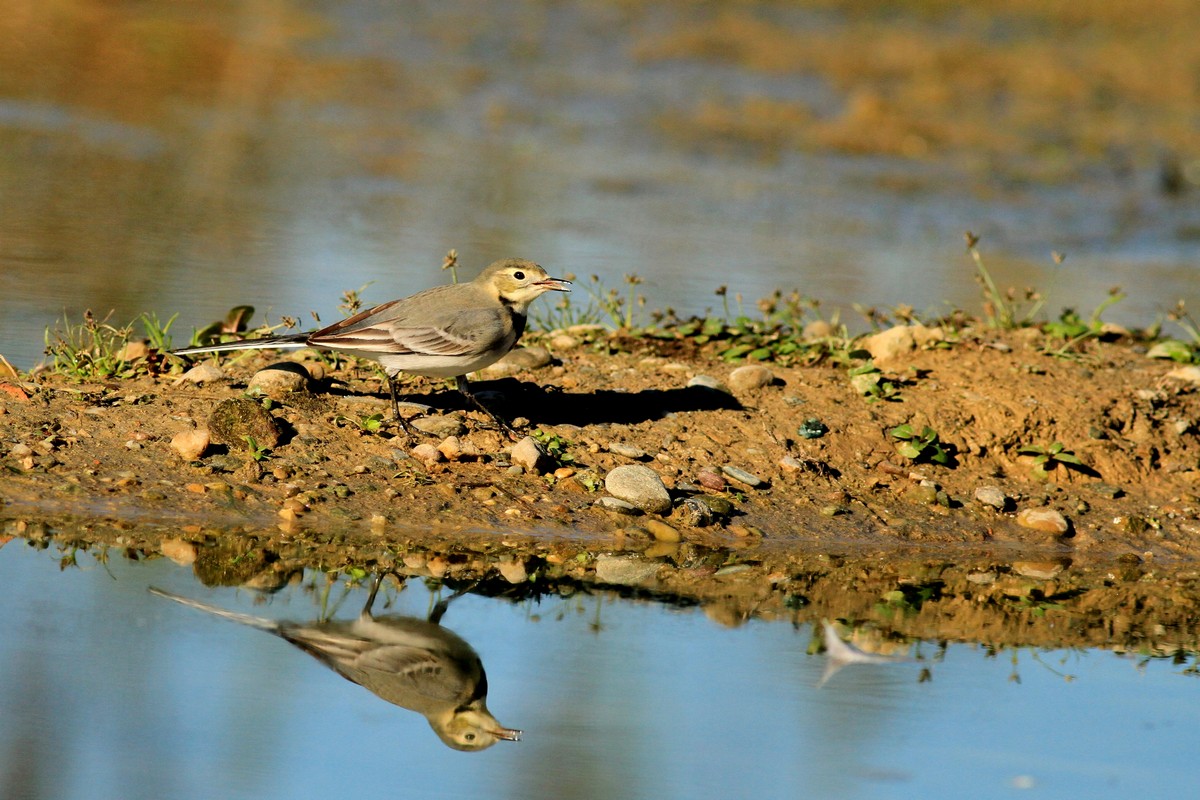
410, 676
436, 331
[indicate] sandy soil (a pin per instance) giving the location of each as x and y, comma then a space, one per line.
843, 524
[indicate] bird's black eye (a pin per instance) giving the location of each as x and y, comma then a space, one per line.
519, 275
470, 737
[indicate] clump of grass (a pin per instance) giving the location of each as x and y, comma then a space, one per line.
96, 349
1176, 349
1008, 309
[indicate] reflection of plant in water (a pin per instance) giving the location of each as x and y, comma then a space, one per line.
1036, 657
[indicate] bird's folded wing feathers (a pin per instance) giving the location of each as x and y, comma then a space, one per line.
413, 668
464, 332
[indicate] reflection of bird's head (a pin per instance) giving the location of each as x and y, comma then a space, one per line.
471, 729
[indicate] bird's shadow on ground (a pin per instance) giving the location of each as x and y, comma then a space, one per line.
511, 398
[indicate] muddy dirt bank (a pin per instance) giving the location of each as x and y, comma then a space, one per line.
843, 523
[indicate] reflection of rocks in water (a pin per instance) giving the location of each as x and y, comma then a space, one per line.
414, 663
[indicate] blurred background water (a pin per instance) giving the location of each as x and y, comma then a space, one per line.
188, 157
110, 692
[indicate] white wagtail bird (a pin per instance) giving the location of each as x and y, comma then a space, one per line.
409, 662
442, 332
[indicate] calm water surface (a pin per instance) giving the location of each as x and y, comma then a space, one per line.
108, 691
186, 159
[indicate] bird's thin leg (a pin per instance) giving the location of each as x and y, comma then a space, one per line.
376, 582
401, 421
439, 610
464, 389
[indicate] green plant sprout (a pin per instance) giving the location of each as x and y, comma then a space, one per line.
924, 446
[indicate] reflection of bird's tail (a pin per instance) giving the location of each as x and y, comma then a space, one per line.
262, 623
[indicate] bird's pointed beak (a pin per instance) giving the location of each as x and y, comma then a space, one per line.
507, 734
557, 284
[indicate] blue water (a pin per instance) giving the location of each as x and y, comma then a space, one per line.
351, 144
110, 692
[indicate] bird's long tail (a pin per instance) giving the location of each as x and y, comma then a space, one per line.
262, 623
293, 341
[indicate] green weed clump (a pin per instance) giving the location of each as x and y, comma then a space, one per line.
96, 349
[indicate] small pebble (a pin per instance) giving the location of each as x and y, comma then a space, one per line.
201, 373
427, 454
283, 378
512, 570
694, 513
626, 450
180, 551
661, 531
190, 444
750, 377
624, 570
618, 506
439, 425
1043, 519
812, 428
1042, 570
741, 476
708, 382
528, 453
711, 480
992, 496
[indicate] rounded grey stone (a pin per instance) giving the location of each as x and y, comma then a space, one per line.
640, 486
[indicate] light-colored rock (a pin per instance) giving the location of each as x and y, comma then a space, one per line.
190, 444
439, 425
992, 496
1043, 519
624, 570
626, 450
618, 506
891, 345
178, 550
528, 453
201, 373
518, 359
707, 382
661, 531
750, 378
640, 486
742, 476
451, 448
563, 341
283, 378
512, 570
1190, 374
1042, 570
427, 454
818, 329
134, 350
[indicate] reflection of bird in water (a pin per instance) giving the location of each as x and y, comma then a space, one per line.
839, 654
414, 663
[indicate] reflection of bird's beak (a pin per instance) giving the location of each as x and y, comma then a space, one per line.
507, 734
557, 284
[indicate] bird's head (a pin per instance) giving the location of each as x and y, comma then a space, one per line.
472, 729
517, 282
